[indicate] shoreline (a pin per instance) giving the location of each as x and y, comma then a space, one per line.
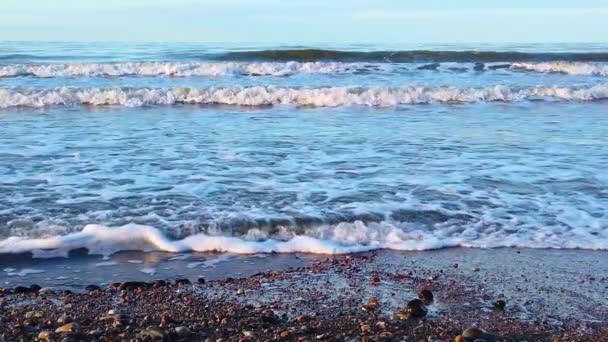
549, 295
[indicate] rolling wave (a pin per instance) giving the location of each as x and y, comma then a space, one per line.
412, 56
281, 69
335, 239
311, 97
179, 69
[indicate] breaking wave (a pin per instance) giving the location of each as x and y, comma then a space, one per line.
177, 69
569, 68
280, 69
312, 97
336, 239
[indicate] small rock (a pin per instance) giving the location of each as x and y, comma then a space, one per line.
201, 280
45, 291
375, 280
268, 316
64, 319
69, 328
153, 333
91, 288
416, 309
33, 315
500, 304
459, 339
21, 290
182, 332
180, 282
35, 288
247, 333
159, 283
426, 296
44, 335
132, 285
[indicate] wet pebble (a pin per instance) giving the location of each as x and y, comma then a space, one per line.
416, 309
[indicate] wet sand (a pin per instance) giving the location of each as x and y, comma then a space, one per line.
548, 295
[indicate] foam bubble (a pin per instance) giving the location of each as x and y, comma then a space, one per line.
313, 97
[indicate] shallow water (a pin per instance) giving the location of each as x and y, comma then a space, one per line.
243, 154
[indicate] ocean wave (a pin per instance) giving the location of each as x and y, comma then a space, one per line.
312, 97
281, 69
418, 56
569, 68
342, 238
178, 69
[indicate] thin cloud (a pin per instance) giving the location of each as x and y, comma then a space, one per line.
387, 15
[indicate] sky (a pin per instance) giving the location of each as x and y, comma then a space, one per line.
306, 21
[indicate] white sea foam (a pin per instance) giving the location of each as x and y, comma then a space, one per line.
314, 97
332, 239
177, 69
569, 68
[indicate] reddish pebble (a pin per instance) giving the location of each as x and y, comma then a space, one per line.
375, 280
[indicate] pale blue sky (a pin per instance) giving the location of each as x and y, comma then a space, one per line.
306, 21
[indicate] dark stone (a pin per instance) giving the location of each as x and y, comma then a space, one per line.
35, 287
426, 296
180, 282
500, 304
159, 283
415, 308
472, 334
268, 316
21, 290
67, 292
91, 288
133, 285
201, 280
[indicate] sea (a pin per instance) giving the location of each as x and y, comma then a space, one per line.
244, 149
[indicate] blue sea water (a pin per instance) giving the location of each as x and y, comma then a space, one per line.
336, 149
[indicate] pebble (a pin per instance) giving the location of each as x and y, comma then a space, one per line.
21, 290
268, 316
33, 314
91, 288
153, 333
67, 328
201, 280
182, 332
416, 309
500, 304
180, 282
426, 296
46, 291
44, 335
35, 288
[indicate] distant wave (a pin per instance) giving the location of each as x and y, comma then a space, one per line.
312, 97
281, 69
412, 56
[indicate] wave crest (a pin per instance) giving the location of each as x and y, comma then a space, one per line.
334, 239
313, 97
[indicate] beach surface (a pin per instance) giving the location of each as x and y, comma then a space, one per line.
511, 294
